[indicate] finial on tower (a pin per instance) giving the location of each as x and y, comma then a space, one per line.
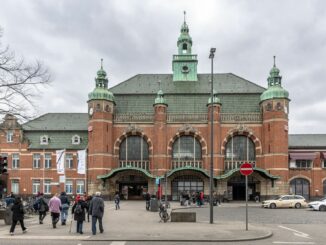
184, 16
102, 63
274, 60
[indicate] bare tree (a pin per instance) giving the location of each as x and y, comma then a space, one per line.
20, 83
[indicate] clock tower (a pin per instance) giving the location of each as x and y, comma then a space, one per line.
184, 64
100, 131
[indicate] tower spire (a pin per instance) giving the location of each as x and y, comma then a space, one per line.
102, 63
184, 16
274, 60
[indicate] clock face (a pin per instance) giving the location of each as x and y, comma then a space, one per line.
185, 69
90, 111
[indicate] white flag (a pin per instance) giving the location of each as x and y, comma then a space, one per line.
81, 168
60, 161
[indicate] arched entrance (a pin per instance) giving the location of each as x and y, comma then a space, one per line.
132, 186
300, 186
236, 187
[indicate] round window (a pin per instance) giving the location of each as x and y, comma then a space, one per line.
185, 69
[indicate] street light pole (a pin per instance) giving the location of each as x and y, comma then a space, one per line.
211, 56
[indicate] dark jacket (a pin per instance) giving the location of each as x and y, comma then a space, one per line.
96, 207
17, 210
64, 200
80, 216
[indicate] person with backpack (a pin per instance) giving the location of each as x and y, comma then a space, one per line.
65, 203
117, 200
42, 208
78, 210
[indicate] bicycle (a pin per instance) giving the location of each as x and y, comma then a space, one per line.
164, 215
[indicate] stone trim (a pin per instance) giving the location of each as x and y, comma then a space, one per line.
300, 176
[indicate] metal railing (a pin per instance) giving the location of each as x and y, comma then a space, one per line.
230, 165
240, 117
186, 163
183, 117
133, 117
134, 163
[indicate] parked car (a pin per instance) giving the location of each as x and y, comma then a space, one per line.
318, 205
285, 201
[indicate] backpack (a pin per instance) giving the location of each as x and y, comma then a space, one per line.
78, 209
43, 206
36, 205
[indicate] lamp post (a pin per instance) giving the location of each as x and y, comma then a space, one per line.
211, 56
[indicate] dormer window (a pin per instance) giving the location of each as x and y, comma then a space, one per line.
44, 140
184, 48
75, 140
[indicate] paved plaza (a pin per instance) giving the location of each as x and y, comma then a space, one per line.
133, 223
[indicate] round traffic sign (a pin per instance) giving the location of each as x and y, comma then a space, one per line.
246, 169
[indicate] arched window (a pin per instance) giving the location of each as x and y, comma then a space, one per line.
186, 148
184, 47
134, 148
300, 186
75, 140
44, 140
240, 148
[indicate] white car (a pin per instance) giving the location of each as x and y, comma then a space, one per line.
318, 205
286, 201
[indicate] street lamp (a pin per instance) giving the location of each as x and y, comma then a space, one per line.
211, 56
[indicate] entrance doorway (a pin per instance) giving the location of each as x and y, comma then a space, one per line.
132, 187
186, 184
237, 188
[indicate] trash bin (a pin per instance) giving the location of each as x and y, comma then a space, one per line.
153, 205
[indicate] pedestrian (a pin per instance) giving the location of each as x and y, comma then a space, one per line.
117, 200
96, 209
148, 199
54, 207
201, 198
17, 215
88, 202
42, 208
64, 207
78, 210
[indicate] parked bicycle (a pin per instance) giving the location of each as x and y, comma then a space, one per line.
164, 215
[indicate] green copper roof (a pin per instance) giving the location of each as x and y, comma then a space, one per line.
116, 170
58, 122
101, 91
216, 100
235, 93
160, 98
275, 89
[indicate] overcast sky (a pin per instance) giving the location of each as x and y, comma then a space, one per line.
135, 37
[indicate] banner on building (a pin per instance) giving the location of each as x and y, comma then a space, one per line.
60, 161
81, 168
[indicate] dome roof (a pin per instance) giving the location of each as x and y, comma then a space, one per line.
216, 100
160, 98
274, 92
101, 94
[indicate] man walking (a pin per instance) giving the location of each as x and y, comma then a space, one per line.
54, 207
42, 208
64, 207
96, 209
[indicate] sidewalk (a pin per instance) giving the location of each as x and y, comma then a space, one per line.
133, 223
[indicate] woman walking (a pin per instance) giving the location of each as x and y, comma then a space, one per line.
78, 210
17, 215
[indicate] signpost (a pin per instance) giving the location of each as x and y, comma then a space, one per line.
246, 169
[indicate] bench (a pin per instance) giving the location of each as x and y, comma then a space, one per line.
183, 216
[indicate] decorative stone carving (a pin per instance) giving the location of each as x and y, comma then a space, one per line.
133, 129
240, 128
187, 128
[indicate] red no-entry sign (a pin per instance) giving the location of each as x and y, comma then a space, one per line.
246, 169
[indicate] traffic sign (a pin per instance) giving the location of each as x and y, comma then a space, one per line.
246, 169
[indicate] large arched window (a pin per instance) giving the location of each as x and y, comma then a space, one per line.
134, 148
186, 148
240, 148
300, 186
